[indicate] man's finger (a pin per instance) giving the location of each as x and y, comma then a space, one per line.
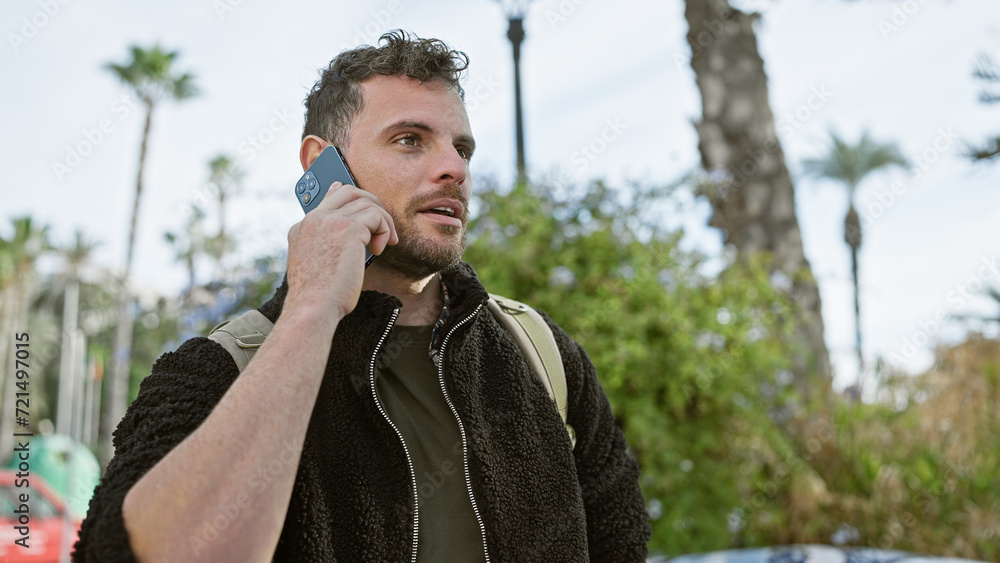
340, 195
381, 229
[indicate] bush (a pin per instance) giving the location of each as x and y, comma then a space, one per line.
695, 367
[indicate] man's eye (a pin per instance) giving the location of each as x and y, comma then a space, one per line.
409, 141
464, 152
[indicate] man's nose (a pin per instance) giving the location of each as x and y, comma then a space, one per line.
451, 167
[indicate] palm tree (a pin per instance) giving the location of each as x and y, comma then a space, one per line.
75, 255
189, 244
151, 76
748, 184
849, 165
225, 176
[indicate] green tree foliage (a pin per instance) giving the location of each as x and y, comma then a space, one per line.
694, 366
18, 257
697, 371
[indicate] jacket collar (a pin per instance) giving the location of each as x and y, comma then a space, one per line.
359, 332
467, 293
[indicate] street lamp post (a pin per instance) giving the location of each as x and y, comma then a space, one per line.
515, 10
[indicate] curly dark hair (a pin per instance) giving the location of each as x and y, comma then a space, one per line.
337, 97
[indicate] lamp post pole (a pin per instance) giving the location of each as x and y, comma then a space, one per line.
516, 35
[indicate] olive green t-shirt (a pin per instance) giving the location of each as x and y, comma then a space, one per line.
411, 393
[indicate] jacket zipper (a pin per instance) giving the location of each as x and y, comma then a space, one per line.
409, 460
461, 428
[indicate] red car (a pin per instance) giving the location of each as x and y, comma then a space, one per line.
48, 526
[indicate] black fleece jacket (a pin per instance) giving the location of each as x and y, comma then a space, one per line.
353, 498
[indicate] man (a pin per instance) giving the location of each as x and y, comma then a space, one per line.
388, 416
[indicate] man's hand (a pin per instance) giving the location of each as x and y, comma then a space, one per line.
268, 405
326, 253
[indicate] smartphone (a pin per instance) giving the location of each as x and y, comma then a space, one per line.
329, 167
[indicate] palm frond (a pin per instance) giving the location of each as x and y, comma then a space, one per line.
990, 150
850, 164
986, 69
149, 72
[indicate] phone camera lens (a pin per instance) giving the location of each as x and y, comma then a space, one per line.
301, 187
312, 183
306, 198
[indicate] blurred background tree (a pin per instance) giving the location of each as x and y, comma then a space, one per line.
18, 275
189, 245
850, 165
694, 367
698, 371
225, 180
747, 181
71, 358
987, 71
150, 75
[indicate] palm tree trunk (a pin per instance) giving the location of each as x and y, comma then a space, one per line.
67, 354
755, 206
222, 217
857, 313
853, 238
138, 186
223, 244
119, 377
189, 262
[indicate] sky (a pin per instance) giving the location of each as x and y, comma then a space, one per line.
900, 70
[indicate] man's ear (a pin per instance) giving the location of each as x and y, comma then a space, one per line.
310, 149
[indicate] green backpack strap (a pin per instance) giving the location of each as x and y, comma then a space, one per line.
242, 336
539, 348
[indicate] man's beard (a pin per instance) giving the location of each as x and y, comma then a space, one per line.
417, 256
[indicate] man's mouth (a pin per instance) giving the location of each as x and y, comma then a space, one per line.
449, 211
445, 211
